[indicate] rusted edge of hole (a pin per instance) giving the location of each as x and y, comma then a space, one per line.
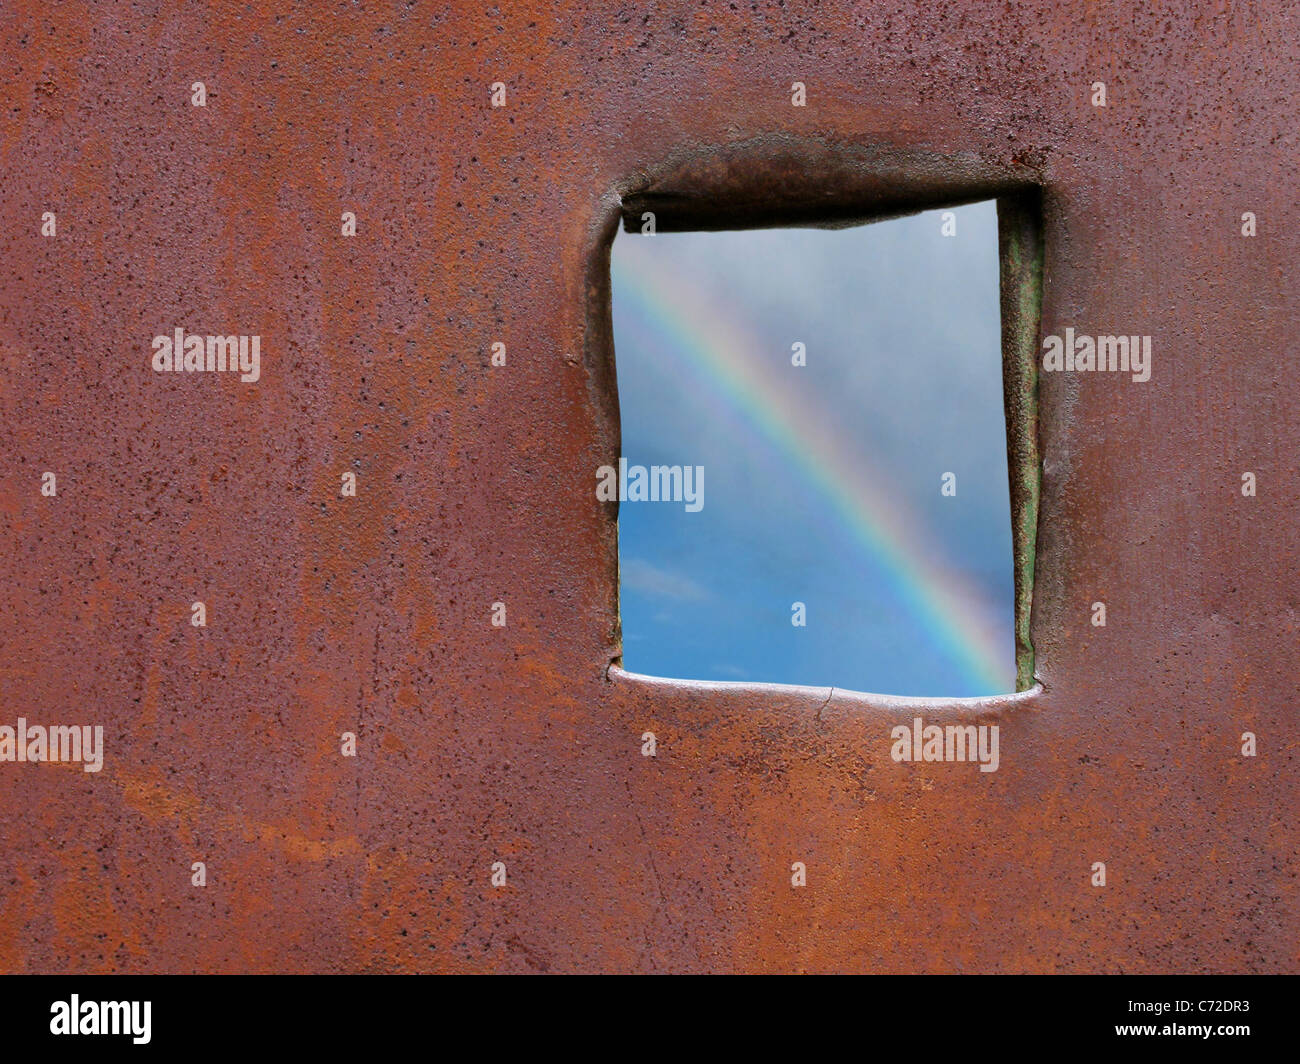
1020, 252
778, 181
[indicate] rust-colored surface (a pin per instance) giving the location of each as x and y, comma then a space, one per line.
372, 614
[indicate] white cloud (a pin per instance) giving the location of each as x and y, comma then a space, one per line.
640, 575
731, 670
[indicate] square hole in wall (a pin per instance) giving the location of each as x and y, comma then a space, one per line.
814, 484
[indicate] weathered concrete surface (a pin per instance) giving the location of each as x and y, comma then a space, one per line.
371, 614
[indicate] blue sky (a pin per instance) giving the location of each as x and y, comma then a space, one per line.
903, 373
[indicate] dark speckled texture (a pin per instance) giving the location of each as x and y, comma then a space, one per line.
520, 744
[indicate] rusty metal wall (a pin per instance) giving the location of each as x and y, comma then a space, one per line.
476, 744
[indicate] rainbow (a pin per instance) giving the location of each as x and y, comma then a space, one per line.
711, 348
